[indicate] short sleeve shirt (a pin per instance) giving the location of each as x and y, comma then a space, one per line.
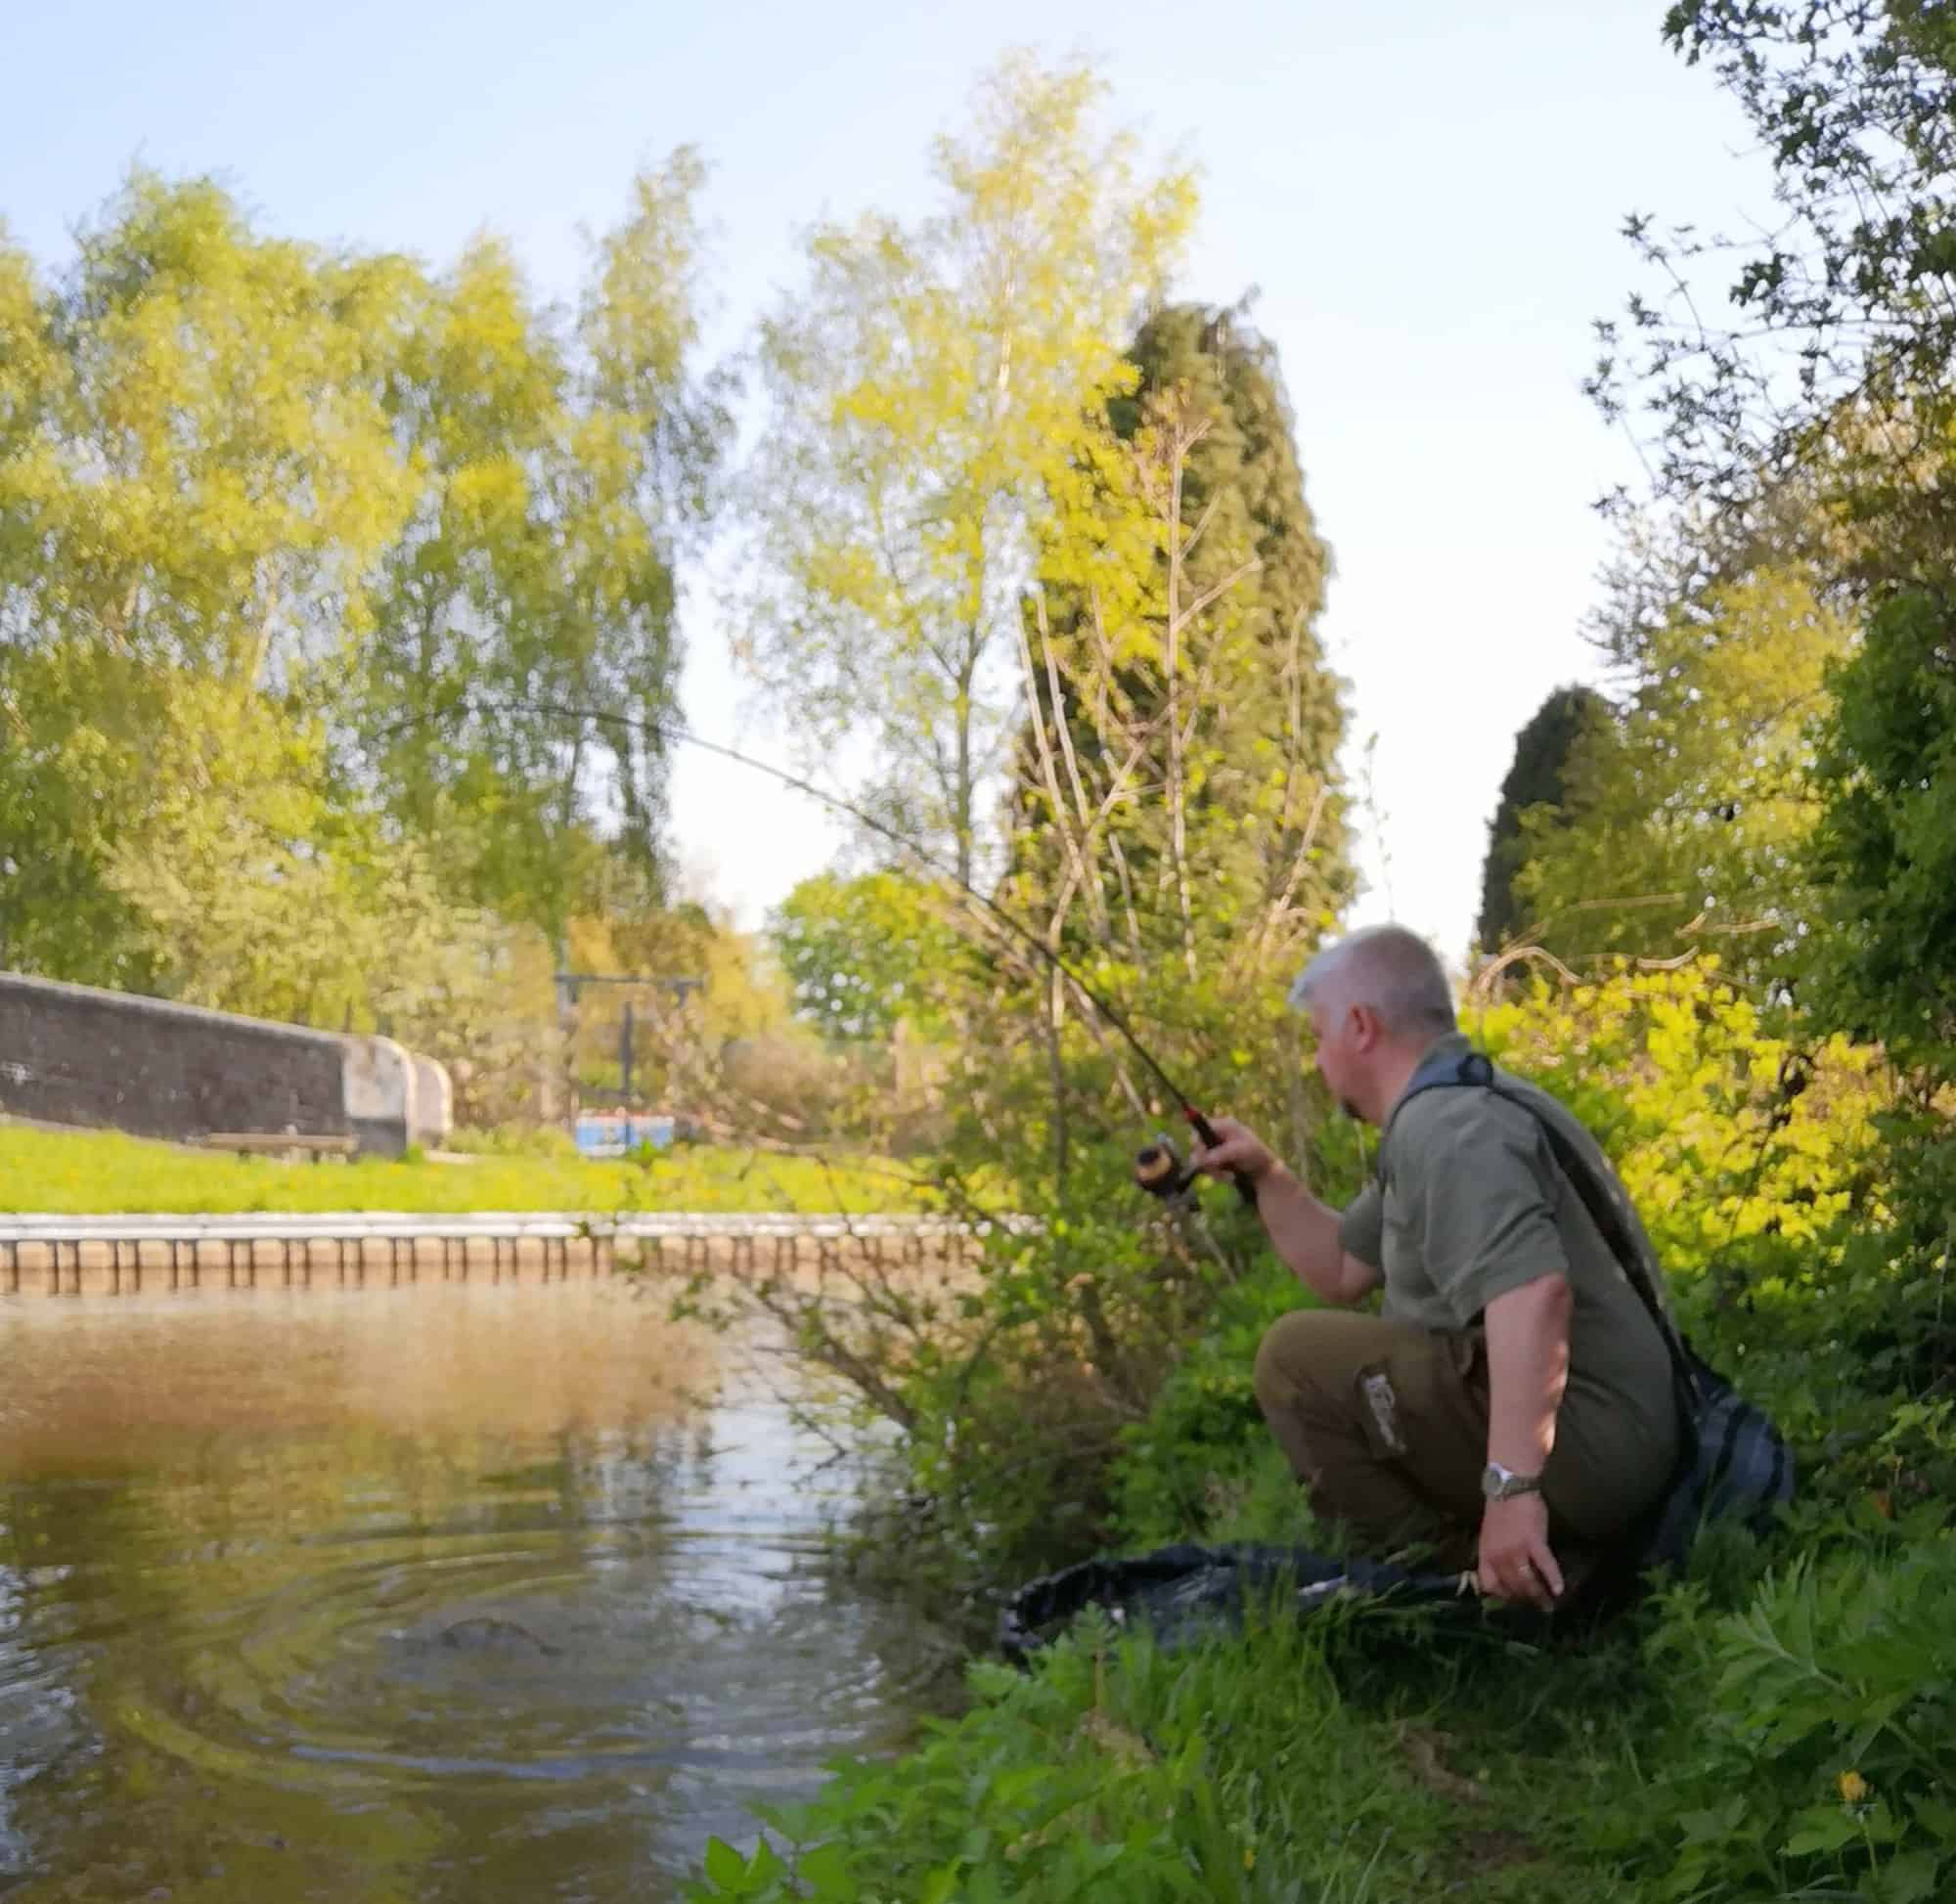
1471, 1203
1469, 1211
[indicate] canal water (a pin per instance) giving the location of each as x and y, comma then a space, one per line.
439, 1593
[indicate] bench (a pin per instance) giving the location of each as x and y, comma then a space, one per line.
288, 1144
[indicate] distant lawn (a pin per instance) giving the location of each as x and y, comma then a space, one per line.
98, 1171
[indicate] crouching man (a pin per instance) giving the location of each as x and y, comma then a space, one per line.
1510, 1406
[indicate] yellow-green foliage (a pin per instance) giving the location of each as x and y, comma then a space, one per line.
1683, 1077
104, 1170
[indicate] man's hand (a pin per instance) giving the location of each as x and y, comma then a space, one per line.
1236, 1148
1515, 1561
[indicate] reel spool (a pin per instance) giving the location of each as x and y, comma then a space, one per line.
1160, 1170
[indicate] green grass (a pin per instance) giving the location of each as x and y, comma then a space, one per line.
101, 1172
1331, 1762
1697, 1752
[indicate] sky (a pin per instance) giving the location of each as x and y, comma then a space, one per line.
1427, 198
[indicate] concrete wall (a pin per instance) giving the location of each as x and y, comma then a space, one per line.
434, 1104
74, 1054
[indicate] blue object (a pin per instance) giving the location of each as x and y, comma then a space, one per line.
603, 1134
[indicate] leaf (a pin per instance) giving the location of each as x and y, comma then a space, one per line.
726, 1868
1906, 1877
824, 1869
942, 1883
1823, 1828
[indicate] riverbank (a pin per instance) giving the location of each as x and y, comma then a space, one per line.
1777, 1724
1741, 1736
91, 1172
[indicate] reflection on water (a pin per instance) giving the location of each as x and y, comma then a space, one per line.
440, 1593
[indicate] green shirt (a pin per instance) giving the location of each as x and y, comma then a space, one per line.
1469, 1204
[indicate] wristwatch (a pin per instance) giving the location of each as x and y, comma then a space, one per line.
1500, 1484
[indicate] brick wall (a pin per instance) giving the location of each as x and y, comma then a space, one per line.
71, 1055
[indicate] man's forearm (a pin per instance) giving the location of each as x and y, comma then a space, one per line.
1305, 1233
1528, 1369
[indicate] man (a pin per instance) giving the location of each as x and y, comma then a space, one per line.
1512, 1400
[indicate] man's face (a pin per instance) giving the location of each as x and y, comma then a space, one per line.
1335, 1031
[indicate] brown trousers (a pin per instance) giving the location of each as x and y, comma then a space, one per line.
1387, 1425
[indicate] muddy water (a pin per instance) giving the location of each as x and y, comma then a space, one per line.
442, 1592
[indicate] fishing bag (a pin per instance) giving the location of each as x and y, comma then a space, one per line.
1187, 1592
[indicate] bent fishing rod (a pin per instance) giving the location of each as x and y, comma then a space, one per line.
1158, 1168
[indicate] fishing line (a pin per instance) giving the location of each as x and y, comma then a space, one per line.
1157, 1169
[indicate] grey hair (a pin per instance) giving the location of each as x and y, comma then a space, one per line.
1387, 967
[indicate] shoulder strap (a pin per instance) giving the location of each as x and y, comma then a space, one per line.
1438, 1072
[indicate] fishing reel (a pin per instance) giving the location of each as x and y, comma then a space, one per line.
1161, 1171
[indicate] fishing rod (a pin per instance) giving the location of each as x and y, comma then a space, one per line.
1158, 1168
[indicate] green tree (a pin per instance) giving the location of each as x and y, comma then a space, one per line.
1684, 819
252, 885
1206, 469
1884, 849
860, 953
531, 599
196, 471
1828, 374
1144, 857
927, 386
1537, 778
406, 544
1176, 803
1883, 964
1830, 360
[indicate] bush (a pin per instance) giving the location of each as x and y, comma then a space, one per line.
1822, 1760
547, 1141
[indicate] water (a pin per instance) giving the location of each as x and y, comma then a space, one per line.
445, 1592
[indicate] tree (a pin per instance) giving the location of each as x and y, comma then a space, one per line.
1538, 779
860, 953
1203, 490
252, 886
1830, 364
1833, 371
198, 472
407, 543
532, 595
1173, 668
1884, 849
1145, 854
1684, 819
927, 386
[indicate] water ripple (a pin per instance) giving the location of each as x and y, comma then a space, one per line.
438, 1593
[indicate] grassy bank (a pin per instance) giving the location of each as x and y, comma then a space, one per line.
1779, 1724
97, 1171
1790, 1741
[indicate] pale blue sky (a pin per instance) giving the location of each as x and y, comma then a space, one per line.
1429, 196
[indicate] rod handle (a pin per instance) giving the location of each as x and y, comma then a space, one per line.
1206, 1131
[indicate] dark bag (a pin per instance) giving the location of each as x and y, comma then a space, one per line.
1186, 1592
1732, 1460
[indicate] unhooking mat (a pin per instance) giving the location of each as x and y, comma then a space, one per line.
1186, 1592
